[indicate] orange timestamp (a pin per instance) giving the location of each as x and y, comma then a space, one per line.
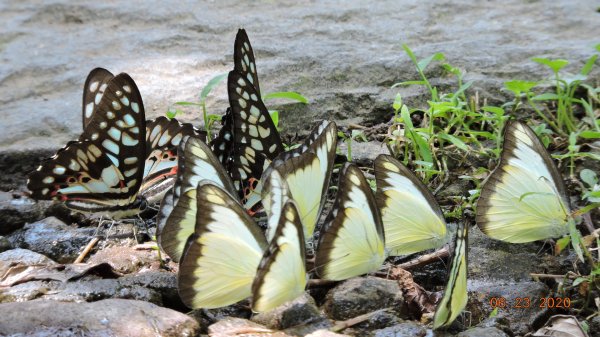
528, 302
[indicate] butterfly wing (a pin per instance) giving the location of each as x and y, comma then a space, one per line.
243, 59
221, 257
255, 137
281, 275
276, 194
455, 296
197, 164
412, 218
308, 172
524, 198
102, 172
163, 136
352, 241
93, 89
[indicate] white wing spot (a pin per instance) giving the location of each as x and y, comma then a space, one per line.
94, 86
116, 105
59, 170
48, 180
127, 88
135, 107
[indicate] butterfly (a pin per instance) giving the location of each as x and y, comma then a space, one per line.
281, 274
455, 296
524, 199
352, 241
412, 219
227, 258
177, 215
103, 170
307, 171
249, 139
223, 253
162, 137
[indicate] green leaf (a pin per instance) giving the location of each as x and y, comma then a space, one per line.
275, 117
590, 134
518, 86
579, 280
359, 135
589, 177
287, 95
210, 85
576, 242
454, 140
546, 97
562, 243
425, 62
493, 109
589, 64
597, 47
397, 102
462, 88
494, 313
187, 104
422, 145
556, 65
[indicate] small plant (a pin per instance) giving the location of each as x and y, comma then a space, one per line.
355, 135
210, 119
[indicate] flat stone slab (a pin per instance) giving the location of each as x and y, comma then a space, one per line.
342, 55
113, 317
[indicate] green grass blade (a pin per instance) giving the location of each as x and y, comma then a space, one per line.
287, 95
210, 85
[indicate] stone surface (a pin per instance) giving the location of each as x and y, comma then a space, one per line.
301, 311
15, 211
114, 317
363, 295
231, 326
405, 329
483, 332
52, 238
343, 56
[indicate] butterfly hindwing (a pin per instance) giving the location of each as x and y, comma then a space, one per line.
455, 295
352, 241
197, 163
102, 172
93, 89
412, 219
524, 198
308, 171
281, 274
221, 257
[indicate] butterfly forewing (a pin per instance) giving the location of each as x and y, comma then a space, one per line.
93, 89
256, 140
101, 172
243, 58
524, 198
412, 219
352, 241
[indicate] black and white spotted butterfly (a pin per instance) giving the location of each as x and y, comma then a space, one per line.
101, 172
163, 136
248, 140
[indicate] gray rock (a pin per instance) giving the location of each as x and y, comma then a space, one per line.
483, 332
232, 326
156, 287
484, 294
17, 210
125, 258
4, 244
343, 58
114, 317
301, 311
325, 333
362, 295
53, 238
594, 326
22, 256
406, 329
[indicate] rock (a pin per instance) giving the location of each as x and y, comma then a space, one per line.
52, 238
113, 317
231, 326
408, 329
125, 258
156, 287
595, 326
483, 332
300, 316
511, 299
363, 152
325, 333
22, 256
16, 211
346, 71
362, 295
4, 244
